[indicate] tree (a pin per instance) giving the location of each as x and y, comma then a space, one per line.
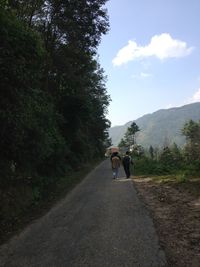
191, 130
151, 152
122, 143
26, 10
123, 146
166, 158
54, 98
3, 3
176, 154
28, 119
130, 135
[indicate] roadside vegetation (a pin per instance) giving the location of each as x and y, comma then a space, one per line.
169, 162
167, 180
53, 98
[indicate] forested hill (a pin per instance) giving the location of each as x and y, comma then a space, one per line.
53, 98
161, 127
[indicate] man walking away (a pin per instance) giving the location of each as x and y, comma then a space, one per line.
127, 161
115, 160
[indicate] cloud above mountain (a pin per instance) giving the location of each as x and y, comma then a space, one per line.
161, 46
196, 96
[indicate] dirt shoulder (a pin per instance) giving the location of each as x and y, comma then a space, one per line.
175, 208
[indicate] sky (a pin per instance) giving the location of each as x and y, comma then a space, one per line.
151, 56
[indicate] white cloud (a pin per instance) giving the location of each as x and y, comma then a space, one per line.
196, 96
145, 75
161, 46
142, 75
169, 106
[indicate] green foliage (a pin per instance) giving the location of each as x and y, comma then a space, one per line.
3, 3
36, 195
53, 100
148, 166
191, 130
160, 128
166, 157
129, 138
151, 152
133, 129
159, 165
130, 135
123, 145
27, 116
182, 178
184, 162
170, 160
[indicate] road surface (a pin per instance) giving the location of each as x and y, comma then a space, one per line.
100, 223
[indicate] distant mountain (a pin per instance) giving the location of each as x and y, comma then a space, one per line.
161, 127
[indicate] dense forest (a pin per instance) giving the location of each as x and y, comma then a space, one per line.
53, 98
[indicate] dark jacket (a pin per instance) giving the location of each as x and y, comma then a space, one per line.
127, 160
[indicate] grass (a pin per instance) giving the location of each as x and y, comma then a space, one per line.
180, 181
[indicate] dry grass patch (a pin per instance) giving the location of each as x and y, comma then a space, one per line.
175, 207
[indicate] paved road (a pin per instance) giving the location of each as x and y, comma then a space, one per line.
100, 223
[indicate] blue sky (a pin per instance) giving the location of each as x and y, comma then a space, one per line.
151, 56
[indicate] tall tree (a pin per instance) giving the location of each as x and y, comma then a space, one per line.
26, 10
130, 135
151, 152
191, 130
75, 78
56, 80
177, 155
28, 119
166, 158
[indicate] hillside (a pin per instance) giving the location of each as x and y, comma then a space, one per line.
161, 127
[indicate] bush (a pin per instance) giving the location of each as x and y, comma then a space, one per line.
182, 178
146, 166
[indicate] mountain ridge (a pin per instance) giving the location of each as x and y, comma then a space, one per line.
162, 127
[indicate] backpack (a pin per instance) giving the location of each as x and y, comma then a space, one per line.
127, 160
115, 162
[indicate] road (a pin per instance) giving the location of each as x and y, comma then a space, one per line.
100, 223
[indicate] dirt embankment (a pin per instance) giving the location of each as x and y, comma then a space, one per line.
175, 208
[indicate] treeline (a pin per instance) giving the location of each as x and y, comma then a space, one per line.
169, 159
53, 98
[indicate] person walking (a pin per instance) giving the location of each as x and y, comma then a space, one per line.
116, 162
127, 161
